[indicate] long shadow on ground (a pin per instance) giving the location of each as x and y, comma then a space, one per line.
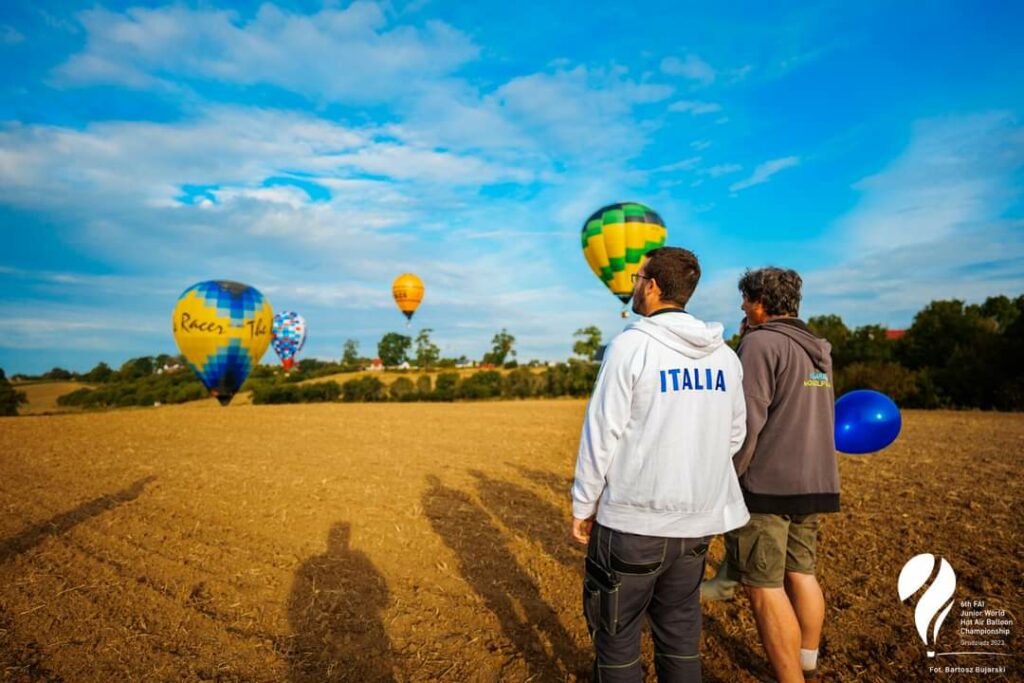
335, 610
55, 526
529, 515
490, 567
559, 485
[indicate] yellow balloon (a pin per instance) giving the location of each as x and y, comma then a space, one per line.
223, 329
408, 292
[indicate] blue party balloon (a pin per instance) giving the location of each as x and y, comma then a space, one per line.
866, 421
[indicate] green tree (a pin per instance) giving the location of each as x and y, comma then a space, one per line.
832, 328
58, 374
350, 361
393, 349
9, 397
427, 352
588, 343
135, 368
867, 344
446, 386
99, 374
501, 348
402, 389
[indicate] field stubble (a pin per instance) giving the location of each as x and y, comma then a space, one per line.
424, 542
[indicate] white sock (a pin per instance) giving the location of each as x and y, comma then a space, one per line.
808, 659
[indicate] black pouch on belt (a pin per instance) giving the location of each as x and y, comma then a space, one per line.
602, 594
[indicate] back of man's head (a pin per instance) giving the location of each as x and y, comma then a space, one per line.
777, 289
676, 271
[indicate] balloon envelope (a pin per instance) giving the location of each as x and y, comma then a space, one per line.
866, 421
223, 329
288, 336
408, 292
615, 239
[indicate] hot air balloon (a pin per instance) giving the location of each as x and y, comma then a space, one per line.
288, 336
223, 329
615, 239
408, 292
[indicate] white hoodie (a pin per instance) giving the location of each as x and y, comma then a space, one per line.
666, 416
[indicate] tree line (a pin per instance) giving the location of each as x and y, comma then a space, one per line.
953, 355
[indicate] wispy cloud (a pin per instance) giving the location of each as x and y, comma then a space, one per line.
10, 35
353, 54
955, 173
721, 169
690, 67
763, 172
694, 107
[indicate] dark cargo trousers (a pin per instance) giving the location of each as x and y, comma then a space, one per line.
628, 576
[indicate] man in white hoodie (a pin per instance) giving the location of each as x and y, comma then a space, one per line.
654, 474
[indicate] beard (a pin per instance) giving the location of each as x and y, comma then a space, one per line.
638, 305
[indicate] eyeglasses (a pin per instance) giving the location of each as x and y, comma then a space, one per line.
636, 277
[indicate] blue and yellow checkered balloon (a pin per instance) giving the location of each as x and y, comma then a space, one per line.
223, 329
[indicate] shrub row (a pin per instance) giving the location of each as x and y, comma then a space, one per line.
572, 379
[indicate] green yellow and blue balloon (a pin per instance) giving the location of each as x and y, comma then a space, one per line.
615, 239
223, 329
288, 336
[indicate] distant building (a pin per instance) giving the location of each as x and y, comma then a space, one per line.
893, 335
376, 365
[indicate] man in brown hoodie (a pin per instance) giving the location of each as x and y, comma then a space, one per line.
787, 469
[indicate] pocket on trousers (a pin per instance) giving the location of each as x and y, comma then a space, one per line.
600, 599
637, 555
592, 605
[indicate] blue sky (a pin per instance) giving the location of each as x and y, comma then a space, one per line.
317, 150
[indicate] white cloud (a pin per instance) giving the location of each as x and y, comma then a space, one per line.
352, 54
722, 169
682, 165
10, 35
691, 67
580, 111
763, 172
955, 172
694, 107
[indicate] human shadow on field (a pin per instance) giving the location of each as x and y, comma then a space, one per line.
336, 613
738, 651
529, 515
55, 526
557, 484
490, 567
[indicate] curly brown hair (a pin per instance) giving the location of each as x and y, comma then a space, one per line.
777, 289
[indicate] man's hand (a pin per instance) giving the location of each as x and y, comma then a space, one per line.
581, 529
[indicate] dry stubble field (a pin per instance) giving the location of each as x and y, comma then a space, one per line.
425, 542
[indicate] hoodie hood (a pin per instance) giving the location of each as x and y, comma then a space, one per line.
682, 333
818, 349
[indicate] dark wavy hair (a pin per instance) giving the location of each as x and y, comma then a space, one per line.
676, 271
777, 289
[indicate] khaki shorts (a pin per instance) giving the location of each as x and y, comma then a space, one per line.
760, 553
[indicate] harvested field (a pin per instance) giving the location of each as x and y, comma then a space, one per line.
42, 396
425, 542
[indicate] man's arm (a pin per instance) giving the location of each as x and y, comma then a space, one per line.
758, 390
606, 418
739, 418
